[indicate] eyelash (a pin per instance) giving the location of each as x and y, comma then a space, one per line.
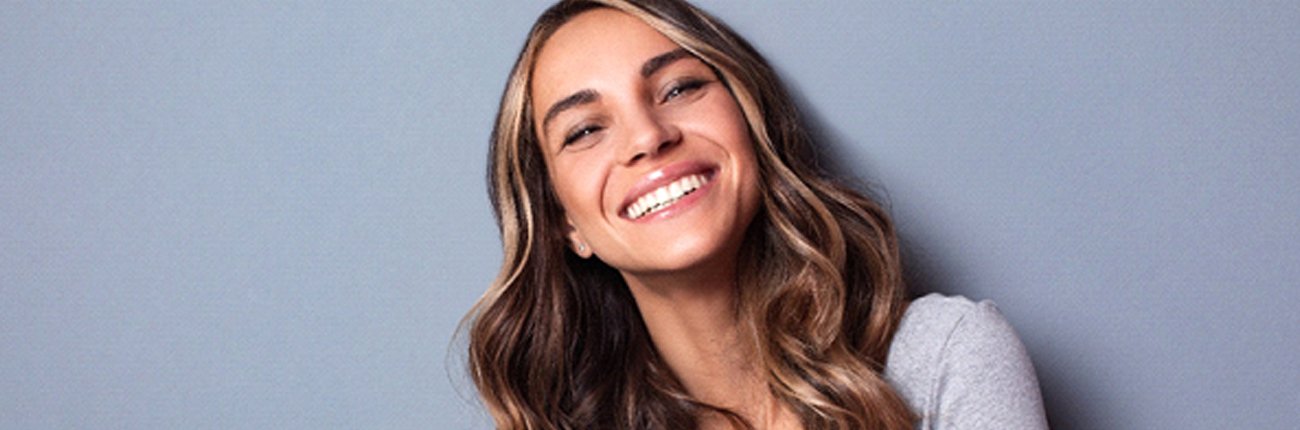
683, 87
581, 132
677, 90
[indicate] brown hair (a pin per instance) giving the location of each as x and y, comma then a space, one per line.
557, 342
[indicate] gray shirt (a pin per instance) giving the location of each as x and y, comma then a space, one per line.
959, 365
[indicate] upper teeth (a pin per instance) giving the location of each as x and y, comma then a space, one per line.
663, 196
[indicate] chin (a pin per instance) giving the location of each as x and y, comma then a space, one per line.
685, 255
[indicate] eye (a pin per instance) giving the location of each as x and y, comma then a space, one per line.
580, 133
683, 87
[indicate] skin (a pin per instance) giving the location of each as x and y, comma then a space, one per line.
619, 105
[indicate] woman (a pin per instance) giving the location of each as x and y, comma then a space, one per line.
675, 259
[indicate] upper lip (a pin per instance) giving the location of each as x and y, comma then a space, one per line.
661, 177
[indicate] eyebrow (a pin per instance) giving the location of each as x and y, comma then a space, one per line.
573, 100
662, 60
588, 96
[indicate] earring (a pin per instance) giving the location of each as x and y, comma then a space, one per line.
582, 247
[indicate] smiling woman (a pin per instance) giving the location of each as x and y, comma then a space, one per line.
645, 144
674, 258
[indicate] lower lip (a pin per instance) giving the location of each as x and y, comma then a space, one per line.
681, 205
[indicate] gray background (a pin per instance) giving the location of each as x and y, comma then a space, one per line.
244, 215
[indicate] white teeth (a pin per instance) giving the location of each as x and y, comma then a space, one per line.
663, 196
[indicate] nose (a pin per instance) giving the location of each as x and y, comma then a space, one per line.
648, 136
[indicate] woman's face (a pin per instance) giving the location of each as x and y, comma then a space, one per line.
648, 151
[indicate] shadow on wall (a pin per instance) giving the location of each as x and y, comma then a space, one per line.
926, 270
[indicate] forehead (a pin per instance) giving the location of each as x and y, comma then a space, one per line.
597, 47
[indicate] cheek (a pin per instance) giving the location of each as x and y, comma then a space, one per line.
739, 141
578, 189
742, 147
731, 125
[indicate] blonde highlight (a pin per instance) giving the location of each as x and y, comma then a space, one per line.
821, 307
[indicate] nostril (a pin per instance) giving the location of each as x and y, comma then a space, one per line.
650, 141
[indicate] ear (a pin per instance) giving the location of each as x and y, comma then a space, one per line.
577, 243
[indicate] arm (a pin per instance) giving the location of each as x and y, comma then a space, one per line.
986, 379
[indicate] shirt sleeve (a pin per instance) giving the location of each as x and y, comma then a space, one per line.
986, 379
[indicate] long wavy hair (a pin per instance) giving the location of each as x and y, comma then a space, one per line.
557, 341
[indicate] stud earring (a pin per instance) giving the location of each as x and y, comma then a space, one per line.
582, 247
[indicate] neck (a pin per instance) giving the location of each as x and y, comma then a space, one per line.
694, 324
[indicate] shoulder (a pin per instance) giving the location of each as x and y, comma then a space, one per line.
935, 321
959, 363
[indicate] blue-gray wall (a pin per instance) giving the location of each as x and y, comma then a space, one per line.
245, 215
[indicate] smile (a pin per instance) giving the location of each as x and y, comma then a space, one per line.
662, 197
